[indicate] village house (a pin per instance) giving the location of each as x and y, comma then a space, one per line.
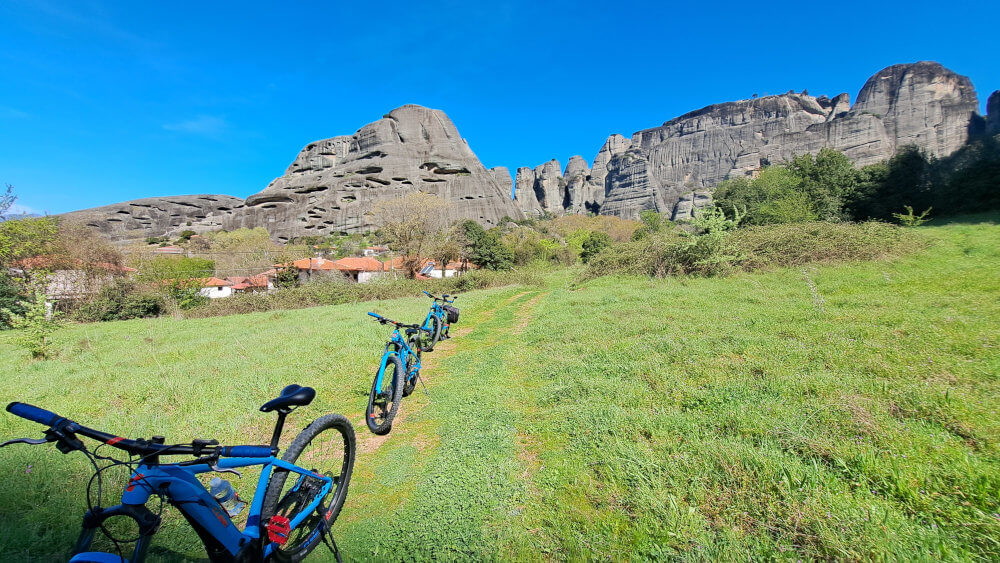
249, 284
214, 288
63, 283
362, 269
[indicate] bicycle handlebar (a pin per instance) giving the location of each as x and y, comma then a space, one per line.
62, 426
444, 297
398, 324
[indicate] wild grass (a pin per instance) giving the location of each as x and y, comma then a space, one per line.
822, 411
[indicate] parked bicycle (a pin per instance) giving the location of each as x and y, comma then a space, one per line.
287, 517
396, 376
439, 319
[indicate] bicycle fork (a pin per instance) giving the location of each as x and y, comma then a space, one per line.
148, 524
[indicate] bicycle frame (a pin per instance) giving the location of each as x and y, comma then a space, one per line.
222, 539
403, 350
436, 311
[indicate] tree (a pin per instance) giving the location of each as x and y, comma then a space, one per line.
826, 179
485, 248
447, 247
36, 323
287, 277
596, 242
24, 238
409, 225
885, 189
774, 196
652, 222
7, 201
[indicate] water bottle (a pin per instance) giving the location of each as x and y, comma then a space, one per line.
224, 493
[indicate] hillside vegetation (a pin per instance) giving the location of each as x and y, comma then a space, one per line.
844, 411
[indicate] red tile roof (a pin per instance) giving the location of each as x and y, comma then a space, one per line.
365, 264
213, 282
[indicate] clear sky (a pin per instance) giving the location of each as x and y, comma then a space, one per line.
110, 101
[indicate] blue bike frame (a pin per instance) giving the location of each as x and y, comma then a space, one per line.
213, 524
401, 349
436, 311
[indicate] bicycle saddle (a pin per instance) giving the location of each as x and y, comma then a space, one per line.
411, 331
293, 395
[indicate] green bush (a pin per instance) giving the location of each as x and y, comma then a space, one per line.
593, 244
800, 243
12, 298
35, 325
752, 248
120, 301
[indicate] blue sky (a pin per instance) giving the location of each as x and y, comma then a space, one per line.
110, 101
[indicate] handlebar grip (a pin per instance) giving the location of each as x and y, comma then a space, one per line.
374, 315
33, 413
246, 451
428, 293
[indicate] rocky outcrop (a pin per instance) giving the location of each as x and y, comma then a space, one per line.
993, 113
333, 185
672, 168
158, 216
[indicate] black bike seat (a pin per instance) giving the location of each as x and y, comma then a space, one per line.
293, 395
412, 331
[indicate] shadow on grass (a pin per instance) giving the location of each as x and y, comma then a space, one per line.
988, 217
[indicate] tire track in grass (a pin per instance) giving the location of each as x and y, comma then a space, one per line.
473, 472
429, 363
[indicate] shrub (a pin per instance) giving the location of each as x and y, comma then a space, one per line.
12, 297
752, 248
593, 244
794, 244
120, 301
36, 324
910, 219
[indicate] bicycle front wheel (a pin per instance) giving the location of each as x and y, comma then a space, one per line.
326, 447
435, 330
383, 401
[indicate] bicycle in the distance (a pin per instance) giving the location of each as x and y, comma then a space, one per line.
439, 319
396, 376
287, 518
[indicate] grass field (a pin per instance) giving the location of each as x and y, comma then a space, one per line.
844, 411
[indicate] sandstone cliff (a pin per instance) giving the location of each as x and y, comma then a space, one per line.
332, 186
157, 216
993, 113
672, 168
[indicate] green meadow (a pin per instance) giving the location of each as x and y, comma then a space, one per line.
826, 411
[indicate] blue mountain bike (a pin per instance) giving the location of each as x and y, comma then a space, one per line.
437, 324
287, 518
396, 377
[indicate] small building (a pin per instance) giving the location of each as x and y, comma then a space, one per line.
310, 268
375, 250
66, 280
450, 269
362, 269
214, 288
250, 284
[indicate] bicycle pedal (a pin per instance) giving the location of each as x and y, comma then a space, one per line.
278, 528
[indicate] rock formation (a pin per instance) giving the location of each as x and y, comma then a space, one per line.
672, 168
993, 113
157, 216
333, 185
